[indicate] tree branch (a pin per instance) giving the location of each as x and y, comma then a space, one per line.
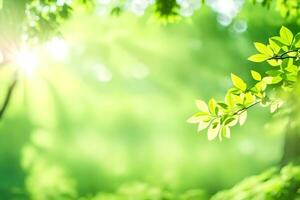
282, 56
8, 95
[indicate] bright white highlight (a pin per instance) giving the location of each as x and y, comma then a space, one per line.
27, 61
58, 49
138, 7
226, 10
187, 7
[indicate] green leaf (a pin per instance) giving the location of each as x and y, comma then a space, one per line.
274, 62
249, 98
297, 40
263, 49
292, 69
256, 76
258, 57
273, 72
272, 80
202, 106
238, 82
261, 86
212, 106
228, 99
278, 41
223, 105
286, 35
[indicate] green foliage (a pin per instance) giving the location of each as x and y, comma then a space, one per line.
282, 53
272, 184
141, 191
288, 9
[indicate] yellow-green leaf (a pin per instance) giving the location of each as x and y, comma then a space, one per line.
256, 76
286, 35
213, 131
258, 57
263, 49
202, 126
297, 40
201, 105
212, 105
238, 82
274, 46
243, 117
226, 131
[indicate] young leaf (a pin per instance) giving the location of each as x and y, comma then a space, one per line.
258, 57
243, 117
297, 40
286, 35
256, 76
274, 46
212, 106
201, 105
263, 49
238, 82
272, 80
225, 131
213, 130
202, 126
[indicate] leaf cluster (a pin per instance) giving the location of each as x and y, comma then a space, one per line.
282, 54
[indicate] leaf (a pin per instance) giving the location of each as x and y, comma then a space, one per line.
232, 121
193, 119
249, 98
286, 35
258, 57
228, 99
243, 117
263, 49
256, 76
212, 106
261, 86
238, 82
1, 4
278, 41
297, 40
198, 117
272, 80
225, 131
213, 131
223, 105
274, 46
274, 62
202, 106
203, 125
273, 72
292, 69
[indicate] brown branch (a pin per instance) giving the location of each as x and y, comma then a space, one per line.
8, 95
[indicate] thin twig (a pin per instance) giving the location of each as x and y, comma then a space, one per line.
8, 95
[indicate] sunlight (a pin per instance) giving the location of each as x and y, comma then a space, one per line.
57, 48
27, 61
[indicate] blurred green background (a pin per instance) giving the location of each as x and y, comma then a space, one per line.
107, 107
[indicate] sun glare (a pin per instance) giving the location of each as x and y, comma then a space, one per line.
27, 61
